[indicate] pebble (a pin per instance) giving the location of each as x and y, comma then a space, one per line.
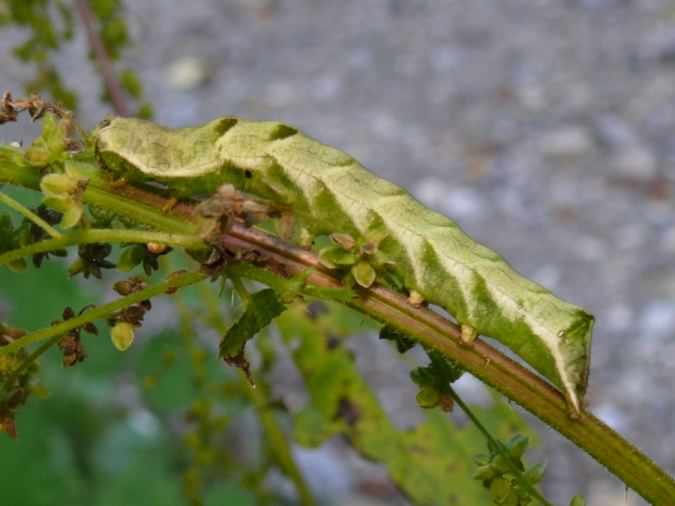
570, 141
636, 162
326, 471
619, 318
547, 276
631, 236
611, 415
462, 203
187, 73
326, 88
658, 319
614, 132
590, 248
668, 240
659, 47
455, 202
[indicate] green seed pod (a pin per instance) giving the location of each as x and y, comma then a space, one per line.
122, 335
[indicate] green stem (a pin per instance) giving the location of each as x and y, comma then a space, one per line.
20, 208
280, 447
174, 282
531, 490
85, 236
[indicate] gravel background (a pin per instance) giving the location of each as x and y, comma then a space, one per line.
543, 127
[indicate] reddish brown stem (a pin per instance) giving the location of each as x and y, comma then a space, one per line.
103, 61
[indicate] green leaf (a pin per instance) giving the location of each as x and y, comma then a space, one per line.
577, 500
130, 257
263, 307
438, 374
72, 215
535, 473
517, 446
335, 256
131, 83
364, 274
50, 145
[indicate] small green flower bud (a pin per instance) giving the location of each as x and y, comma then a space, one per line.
59, 185
428, 398
364, 274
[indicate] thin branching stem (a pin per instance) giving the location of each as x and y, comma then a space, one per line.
23, 210
87, 236
173, 283
112, 84
531, 490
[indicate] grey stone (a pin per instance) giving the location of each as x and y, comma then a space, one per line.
635, 162
658, 319
187, 73
568, 141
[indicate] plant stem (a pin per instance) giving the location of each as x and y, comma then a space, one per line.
634, 468
20, 208
172, 283
102, 58
86, 236
531, 490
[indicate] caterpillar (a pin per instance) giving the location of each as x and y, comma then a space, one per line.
330, 192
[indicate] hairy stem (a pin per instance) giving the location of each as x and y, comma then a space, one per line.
514, 381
